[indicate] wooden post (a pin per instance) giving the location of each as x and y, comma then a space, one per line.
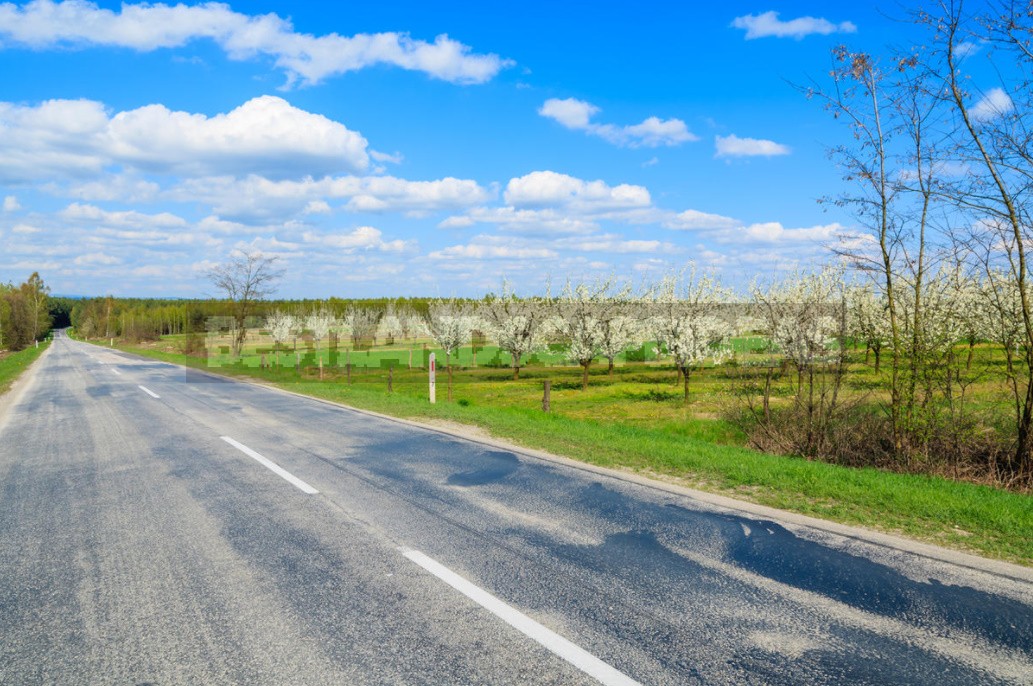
262, 363
547, 396
390, 379
410, 359
348, 371
320, 367
297, 361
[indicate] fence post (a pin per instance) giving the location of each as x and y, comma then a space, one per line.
546, 396
348, 371
390, 379
431, 371
320, 367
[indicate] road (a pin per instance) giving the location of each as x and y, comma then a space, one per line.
159, 526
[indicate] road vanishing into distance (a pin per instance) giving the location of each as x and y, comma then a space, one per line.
161, 526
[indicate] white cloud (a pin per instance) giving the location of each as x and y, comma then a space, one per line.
395, 158
651, 133
527, 222
616, 245
256, 198
771, 232
304, 57
733, 146
768, 24
362, 238
992, 105
96, 258
124, 187
316, 207
265, 135
475, 251
694, 220
966, 49
551, 189
11, 204
92, 214
25, 229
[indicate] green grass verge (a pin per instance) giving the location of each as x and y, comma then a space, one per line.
13, 364
963, 516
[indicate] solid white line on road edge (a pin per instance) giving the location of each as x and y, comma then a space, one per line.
115, 371
149, 392
580, 658
272, 466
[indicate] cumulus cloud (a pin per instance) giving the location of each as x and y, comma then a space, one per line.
96, 258
616, 245
11, 204
480, 251
653, 132
768, 24
362, 238
265, 135
257, 198
124, 187
541, 189
733, 146
303, 57
92, 214
771, 232
694, 219
528, 222
992, 105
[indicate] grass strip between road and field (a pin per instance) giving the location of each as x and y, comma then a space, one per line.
13, 364
964, 516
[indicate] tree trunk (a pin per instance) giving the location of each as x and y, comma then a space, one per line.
609, 371
685, 378
584, 375
878, 359
516, 373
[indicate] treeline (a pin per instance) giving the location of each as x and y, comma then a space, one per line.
148, 319
25, 313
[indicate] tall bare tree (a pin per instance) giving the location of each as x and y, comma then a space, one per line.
245, 278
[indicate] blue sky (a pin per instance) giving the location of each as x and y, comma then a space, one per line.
141, 144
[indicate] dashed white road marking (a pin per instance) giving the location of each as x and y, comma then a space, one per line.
269, 464
115, 371
575, 655
149, 392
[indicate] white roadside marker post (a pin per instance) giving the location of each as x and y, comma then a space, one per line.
431, 370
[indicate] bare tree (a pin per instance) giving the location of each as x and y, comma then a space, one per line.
245, 278
806, 314
996, 144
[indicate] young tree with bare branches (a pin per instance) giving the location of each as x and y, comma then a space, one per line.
245, 278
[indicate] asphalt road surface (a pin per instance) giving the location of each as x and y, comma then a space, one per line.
162, 527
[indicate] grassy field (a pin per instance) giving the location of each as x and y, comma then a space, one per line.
637, 421
13, 364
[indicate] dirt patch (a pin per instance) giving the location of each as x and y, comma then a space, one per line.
464, 430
